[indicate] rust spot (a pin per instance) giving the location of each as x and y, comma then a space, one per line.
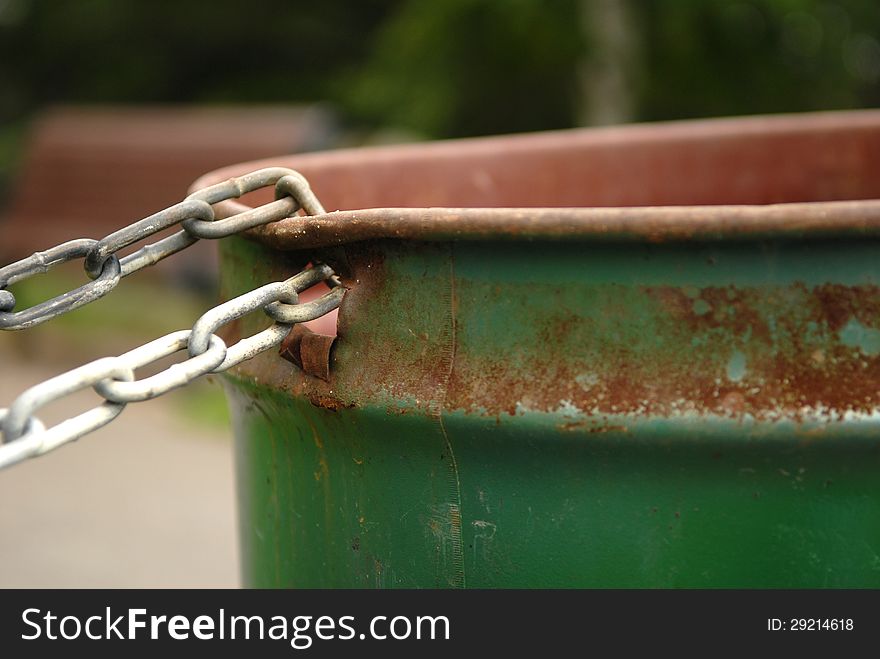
364, 273
840, 303
591, 427
769, 353
728, 308
733, 403
327, 402
393, 410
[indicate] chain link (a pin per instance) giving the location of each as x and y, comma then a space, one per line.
113, 378
108, 277
177, 375
142, 230
196, 217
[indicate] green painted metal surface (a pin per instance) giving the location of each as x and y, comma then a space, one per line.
569, 414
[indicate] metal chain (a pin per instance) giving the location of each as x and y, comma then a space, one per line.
194, 214
113, 378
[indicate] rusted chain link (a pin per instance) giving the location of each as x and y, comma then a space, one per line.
24, 435
196, 217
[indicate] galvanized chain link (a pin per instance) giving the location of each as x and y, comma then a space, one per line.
194, 214
113, 378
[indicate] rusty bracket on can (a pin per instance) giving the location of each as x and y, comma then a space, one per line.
309, 350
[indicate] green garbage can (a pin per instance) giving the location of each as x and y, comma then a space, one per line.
645, 356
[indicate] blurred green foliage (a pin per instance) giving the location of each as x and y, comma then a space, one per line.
734, 57
446, 68
470, 67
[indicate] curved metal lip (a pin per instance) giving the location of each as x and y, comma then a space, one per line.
655, 224
639, 224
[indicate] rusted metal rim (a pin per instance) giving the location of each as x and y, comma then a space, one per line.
654, 224
679, 181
